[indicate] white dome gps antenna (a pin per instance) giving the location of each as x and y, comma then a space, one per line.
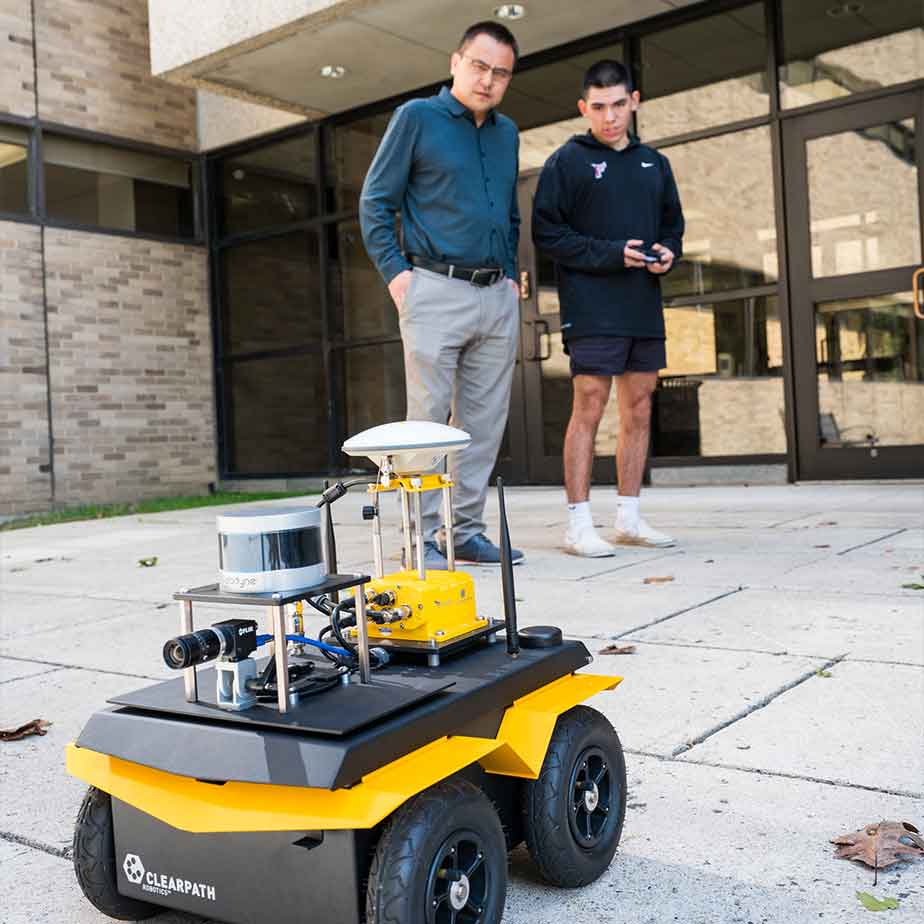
407, 447
404, 451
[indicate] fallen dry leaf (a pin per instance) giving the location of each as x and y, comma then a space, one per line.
659, 580
35, 727
617, 649
881, 845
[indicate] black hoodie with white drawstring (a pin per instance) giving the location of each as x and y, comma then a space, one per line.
591, 199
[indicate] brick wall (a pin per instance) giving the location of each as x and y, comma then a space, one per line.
94, 73
24, 452
17, 74
131, 367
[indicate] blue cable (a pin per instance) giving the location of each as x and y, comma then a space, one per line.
304, 640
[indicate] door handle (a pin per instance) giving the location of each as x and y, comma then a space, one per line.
916, 289
539, 335
525, 288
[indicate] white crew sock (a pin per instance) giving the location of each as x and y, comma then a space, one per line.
579, 516
627, 515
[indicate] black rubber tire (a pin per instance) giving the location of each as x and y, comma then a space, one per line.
95, 862
408, 854
549, 801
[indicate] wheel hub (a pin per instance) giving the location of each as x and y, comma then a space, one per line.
592, 797
459, 892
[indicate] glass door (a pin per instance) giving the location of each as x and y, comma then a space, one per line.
854, 204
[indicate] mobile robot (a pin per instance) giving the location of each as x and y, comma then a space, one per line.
379, 772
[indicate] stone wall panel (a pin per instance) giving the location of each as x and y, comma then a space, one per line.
17, 67
94, 72
25, 481
131, 367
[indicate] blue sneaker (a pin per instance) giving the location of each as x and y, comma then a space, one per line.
434, 559
479, 550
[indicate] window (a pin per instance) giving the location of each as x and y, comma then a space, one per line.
726, 188
14, 170
704, 73
834, 48
270, 186
108, 187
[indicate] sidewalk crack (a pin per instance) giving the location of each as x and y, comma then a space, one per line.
686, 609
66, 853
760, 704
863, 545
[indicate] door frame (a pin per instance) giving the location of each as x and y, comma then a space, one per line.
813, 461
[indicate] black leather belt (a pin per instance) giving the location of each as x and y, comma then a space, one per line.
482, 276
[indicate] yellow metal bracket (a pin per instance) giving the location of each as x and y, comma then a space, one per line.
413, 484
190, 805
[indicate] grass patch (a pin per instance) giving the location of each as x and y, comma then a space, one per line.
154, 505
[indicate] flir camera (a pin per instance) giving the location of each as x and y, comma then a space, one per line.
231, 640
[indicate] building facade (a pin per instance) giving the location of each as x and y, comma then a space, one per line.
178, 310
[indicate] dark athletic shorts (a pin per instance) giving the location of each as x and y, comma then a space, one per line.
616, 355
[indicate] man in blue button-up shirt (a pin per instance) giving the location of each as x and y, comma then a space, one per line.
448, 165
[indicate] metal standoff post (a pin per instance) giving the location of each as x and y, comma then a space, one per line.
281, 655
190, 683
362, 634
418, 526
406, 527
377, 551
447, 525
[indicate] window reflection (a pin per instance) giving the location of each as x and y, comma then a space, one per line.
270, 186
108, 187
833, 48
863, 205
350, 149
278, 416
726, 187
870, 356
272, 293
374, 389
364, 308
14, 173
704, 73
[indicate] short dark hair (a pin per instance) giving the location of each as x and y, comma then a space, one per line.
493, 30
607, 73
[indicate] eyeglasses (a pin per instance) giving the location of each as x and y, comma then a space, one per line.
483, 70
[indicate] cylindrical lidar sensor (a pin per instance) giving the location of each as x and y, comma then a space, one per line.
269, 550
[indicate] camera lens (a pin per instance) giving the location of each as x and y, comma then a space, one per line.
195, 648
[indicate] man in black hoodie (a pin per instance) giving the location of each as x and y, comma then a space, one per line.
608, 213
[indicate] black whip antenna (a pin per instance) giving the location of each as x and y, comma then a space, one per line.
506, 556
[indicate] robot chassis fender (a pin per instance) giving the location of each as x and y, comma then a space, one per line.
350, 782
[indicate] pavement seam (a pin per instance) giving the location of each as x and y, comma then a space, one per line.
863, 545
764, 651
75, 667
802, 516
760, 704
65, 853
687, 609
631, 564
30, 676
839, 784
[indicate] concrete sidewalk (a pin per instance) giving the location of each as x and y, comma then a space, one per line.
775, 698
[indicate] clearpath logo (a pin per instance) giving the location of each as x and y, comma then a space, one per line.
162, 884
134, 868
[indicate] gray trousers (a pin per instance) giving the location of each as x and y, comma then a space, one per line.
460, 344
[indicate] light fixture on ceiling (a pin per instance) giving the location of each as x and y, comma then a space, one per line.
333, 71
510, 11
839, 10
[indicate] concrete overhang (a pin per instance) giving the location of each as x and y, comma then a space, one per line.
272, 51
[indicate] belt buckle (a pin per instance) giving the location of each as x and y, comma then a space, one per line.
492, 275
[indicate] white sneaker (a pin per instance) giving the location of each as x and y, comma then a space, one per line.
643, 534
587, 543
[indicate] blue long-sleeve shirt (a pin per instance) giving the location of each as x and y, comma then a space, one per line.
454, 184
